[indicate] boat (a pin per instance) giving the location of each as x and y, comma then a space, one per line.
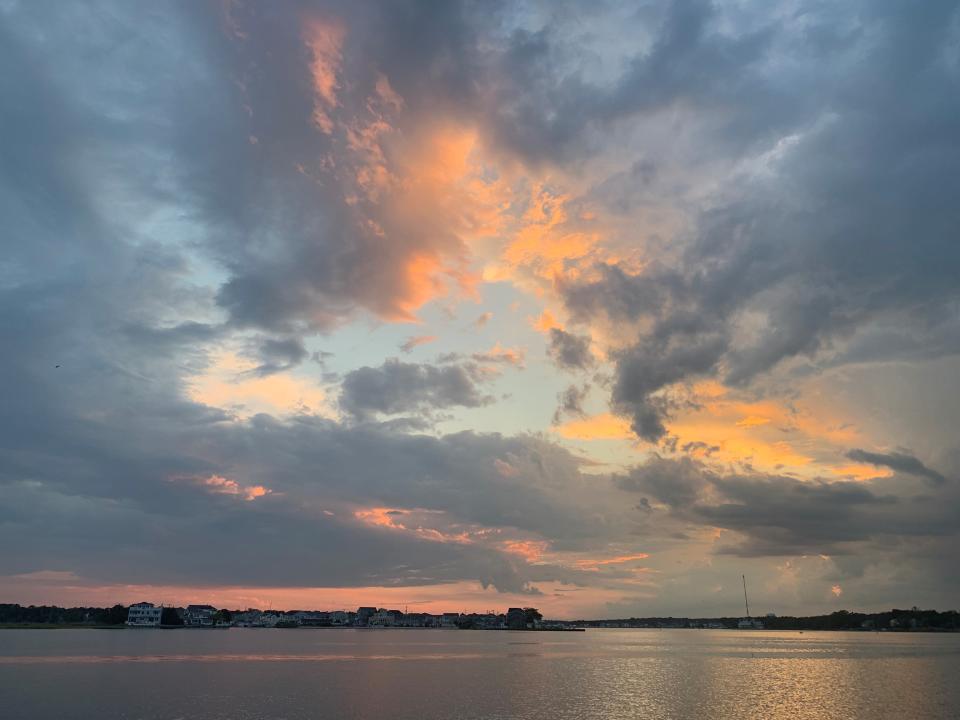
748, 623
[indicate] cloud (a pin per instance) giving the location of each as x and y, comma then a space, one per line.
571, 403
568, 351
650, 367
225, 486
699, 448
777, 515
415, 341
482, 320
899, 462
397, 387
788, 263
278, 355
501, 355
597, 427
497, 355
596, 563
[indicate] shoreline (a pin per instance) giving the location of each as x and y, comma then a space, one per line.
69, 626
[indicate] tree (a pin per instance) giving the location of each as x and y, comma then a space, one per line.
532, 616
117, 615
170, 616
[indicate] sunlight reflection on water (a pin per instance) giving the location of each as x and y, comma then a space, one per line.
293, 674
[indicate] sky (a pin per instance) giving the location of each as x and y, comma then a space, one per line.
588, 306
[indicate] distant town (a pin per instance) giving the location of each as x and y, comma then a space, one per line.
145, 614
150, 615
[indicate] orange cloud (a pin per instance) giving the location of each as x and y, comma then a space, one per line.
862, 472
595, 564
545, 323
599, 427
416, 341
389, 518
544, 242
227, 384
413, 189
418, 522
530, 550
325, 41
219, 485
415, 200
770, 436
753, 421
805, 436
381, 517
500, 354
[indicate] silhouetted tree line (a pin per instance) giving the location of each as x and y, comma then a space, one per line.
896, 620
913, 619
50, 614
11, 614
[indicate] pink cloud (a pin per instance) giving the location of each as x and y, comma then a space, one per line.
416, 341
219, 485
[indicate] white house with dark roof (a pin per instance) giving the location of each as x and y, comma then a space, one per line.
144, 614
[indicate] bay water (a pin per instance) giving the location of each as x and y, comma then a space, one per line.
240, 674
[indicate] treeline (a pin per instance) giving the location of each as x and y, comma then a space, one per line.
913, 619
12, 614
51, 615
897, 620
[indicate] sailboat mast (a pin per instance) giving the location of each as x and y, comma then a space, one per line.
745, 601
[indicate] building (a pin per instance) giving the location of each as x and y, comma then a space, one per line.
247, 618
364, 614
386, 618
341, 617
312, 619
199, 616
270, 619
144, 614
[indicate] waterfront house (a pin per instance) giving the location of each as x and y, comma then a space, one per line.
199, 616
341, 617
364, 614
270, 619
312, 619
247, 618
144, 614
386, 618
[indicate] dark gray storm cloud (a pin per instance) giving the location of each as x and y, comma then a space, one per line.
849, 228
399, 387
570, 403
569, 351
777, 515
277, 355
899, 462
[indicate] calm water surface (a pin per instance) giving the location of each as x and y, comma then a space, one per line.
424, 674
